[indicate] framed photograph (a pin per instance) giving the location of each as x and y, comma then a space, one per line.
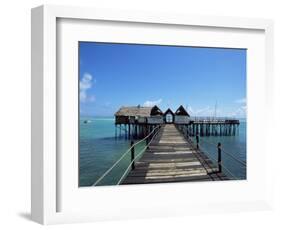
140, 114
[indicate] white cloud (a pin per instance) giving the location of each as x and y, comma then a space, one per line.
190, 110
240, 112
83, 96
86, 83
152, 103
207, 111
241, 101
203, 111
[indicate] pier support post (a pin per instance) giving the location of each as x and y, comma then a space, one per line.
132, 155
197, 141
219, 157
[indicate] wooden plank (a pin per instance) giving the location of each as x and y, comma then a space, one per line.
141, 180
171, 158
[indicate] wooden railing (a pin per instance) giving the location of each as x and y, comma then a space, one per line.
147, 140
219, 161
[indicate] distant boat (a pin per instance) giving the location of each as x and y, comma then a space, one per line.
86, 121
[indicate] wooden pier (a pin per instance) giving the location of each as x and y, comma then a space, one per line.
136, 122
172, 158
212, 127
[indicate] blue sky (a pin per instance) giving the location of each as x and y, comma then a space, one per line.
115, 75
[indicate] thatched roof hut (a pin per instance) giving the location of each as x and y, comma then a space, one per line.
181, 112
131, 114
150, 115
169, 116
181, 116
129, 111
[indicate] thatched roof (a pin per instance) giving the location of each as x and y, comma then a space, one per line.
141, 111
181, 111
156, 111
134, 111
169, 111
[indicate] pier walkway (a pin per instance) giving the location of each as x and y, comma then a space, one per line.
172, 158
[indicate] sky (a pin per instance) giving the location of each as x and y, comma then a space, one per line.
201, 79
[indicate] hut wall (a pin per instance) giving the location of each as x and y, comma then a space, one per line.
155, 120
132, 120
121, 119
142, 120
181, 119
169, 118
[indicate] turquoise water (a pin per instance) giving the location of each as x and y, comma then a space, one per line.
231, 146
99, 150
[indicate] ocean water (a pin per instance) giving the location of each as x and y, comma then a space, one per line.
100, 149
233, 151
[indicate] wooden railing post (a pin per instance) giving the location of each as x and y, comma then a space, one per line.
147, 141
219, 157
133, 155
197, 141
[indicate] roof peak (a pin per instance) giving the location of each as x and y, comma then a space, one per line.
148, 110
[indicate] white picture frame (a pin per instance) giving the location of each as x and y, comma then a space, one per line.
47, 182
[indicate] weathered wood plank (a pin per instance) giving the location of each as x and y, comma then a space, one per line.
133, 180
171, 158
